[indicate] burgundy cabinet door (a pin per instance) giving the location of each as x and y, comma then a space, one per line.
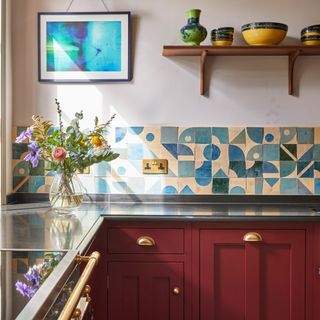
145, 290
252, 280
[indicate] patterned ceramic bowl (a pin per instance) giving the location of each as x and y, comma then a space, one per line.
310, 40
264, 33
311, 31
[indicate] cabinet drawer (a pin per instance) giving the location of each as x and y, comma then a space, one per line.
145, 240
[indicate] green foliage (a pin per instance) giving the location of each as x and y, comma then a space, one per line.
83, 147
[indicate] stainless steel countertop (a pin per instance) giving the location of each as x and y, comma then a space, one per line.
36, 227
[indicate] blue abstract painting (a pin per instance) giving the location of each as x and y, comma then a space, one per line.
83, 46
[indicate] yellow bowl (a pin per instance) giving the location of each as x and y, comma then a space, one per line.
264, 33
221, 42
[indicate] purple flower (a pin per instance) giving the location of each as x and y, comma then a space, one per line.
33, 276
24, 135
25, 290
34, 156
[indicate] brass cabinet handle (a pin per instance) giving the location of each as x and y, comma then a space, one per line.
81, 288
176, 291
146, 241
252, 237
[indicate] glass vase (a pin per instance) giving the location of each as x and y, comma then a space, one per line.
66, 192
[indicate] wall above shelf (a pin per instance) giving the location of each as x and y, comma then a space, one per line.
292, 52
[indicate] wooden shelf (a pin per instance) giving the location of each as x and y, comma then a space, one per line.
292, 52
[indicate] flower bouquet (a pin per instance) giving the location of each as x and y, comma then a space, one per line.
67, 151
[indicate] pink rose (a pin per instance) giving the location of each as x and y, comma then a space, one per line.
59, 154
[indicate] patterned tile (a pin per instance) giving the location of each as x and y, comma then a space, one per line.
203, 169
288, 186
254, 152
288, 152
186, 135
271, 136
288, 169
316, 135
169, 135
254, 186
305, 169
305, 186
237, 135
220, 135
271, 169
203, 151
316, 152
305, 135
203, 135
254, 169
186, 168
237, 169
186, 151
169, 186
220, 169
271, 186
237, 152
186, 186
254, 135
135, 151
220, 185
136, 185
288, 135
237, 186
305, 152
316, 167
271, 152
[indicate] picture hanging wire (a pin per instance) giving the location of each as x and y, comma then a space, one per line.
103, 3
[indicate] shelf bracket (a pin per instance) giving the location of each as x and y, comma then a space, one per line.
203, 57
292, 59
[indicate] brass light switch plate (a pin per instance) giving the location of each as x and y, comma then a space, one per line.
155, 166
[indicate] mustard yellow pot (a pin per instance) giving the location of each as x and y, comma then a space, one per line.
221, 42
264, 33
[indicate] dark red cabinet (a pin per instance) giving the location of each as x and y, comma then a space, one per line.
146, 290
262, 280
206, 271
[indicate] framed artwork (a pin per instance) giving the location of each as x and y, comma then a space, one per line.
84, 47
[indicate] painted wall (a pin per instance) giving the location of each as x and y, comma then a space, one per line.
244, 91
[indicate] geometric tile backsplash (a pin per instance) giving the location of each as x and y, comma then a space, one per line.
201, 160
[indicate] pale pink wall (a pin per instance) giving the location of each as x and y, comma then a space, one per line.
243, 91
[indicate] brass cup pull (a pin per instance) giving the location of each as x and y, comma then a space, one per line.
176, 291
252, 237
146, 241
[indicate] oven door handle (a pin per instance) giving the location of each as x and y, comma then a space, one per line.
81, 289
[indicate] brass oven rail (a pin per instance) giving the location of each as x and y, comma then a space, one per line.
79, 290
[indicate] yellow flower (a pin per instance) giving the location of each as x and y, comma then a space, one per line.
96, 141
81, 143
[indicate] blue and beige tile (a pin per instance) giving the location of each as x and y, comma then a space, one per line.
316, 169
288, 169
254, 135
101, 185
220, 169
271, 169
271, 135
305, 186
169, 185
203, 151
186, 151
288, 135
316, 135
220, 135
151, 136
305, 169
186, 135
305, 152
236, 152
237, 185
271, 186
118, 185
237, 169
186, 186
253, 152
254, 169
237, 135
203, 169
254, 186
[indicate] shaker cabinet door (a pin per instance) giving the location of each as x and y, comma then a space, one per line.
252, 280
145, 290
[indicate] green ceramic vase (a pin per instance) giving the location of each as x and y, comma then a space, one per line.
193, 33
